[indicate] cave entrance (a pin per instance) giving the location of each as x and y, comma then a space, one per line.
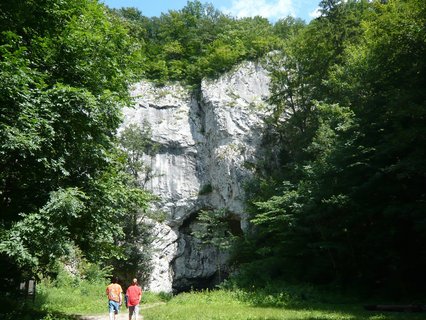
202, 264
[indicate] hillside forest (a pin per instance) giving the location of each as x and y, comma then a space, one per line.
339, 199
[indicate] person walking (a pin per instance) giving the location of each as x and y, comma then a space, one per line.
114, 293
133, 295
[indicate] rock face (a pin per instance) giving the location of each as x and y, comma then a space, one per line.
208, 142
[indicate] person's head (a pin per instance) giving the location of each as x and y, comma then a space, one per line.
114, 279
135, 281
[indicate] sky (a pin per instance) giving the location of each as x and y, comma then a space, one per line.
270, 9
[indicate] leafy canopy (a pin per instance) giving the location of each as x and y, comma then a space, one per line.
65, 67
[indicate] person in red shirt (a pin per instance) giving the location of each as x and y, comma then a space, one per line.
133, 295
114, 292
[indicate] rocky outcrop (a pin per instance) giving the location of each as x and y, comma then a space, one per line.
208, 141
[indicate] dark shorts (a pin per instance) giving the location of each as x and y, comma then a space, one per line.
113, 306
134, 309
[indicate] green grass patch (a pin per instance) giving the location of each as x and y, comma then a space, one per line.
82, 298
59, 300
240, 305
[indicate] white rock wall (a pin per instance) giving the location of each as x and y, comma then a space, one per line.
204, 141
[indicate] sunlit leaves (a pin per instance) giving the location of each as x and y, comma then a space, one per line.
199, 41
42, 236
65, 70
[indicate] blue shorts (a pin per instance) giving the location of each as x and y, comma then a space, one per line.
113, 306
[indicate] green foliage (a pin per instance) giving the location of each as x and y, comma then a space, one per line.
343, 204
288, 27
339, 194
47, 229
64, 295
136, 250
214, 229
65, 67
137, 142
74, 268
199, 41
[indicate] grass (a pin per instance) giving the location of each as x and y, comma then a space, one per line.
56, 301
82, 298
237, 305
66, 302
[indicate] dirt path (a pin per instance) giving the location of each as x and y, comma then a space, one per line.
124, 313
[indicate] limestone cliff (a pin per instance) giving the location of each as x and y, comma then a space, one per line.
208, 140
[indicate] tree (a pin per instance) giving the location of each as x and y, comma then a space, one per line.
64, 72
214, 230
197, 41
387, 74
136, 142
348, 209
288, 27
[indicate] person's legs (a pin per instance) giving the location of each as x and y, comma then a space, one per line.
113, 309
136, 312
131, 312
